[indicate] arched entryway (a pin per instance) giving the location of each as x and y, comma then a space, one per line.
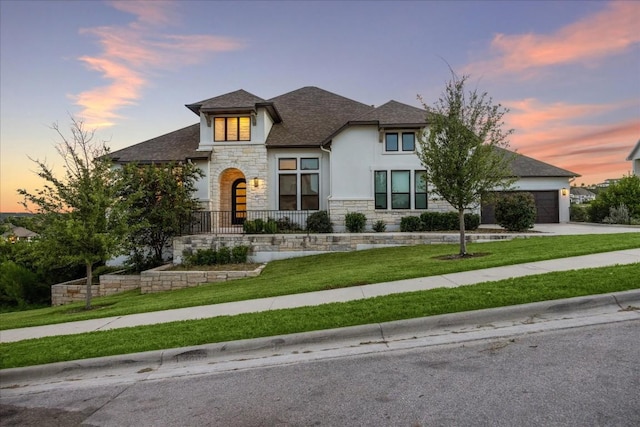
233, 197
238, 201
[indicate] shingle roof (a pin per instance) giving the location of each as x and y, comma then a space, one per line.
175, 146
19, 232
579, 191
396, 114
310, 115
523, 166
238, 100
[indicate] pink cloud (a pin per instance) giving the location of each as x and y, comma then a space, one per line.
556, 133
609, 32
130, 53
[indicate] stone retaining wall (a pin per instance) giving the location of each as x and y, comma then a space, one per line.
268, 247
160, 280
72, 291
154, 280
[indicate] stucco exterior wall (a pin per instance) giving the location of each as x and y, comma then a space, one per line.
549, 184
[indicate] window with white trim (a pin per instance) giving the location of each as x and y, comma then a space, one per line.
404, 190
298, 183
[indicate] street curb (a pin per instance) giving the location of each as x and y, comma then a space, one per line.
370, 333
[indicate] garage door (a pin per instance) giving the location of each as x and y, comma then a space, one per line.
547, 209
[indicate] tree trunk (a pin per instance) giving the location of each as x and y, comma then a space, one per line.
463, 241
87, 304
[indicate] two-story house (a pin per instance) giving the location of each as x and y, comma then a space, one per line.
310, 150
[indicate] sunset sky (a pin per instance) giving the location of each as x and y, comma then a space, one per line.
567, 70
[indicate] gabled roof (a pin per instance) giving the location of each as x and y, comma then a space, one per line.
310, 115
175, 146
579, 191
240, 99
635, 153
523, 167
396, 114
19, 232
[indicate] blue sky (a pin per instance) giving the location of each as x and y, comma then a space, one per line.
567, 70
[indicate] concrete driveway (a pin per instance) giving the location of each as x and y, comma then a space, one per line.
574, 228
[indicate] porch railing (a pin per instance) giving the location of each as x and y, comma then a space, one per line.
258, 221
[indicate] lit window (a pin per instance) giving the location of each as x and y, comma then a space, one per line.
232, 129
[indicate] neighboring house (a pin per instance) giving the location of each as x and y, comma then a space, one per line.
634, 157
581, 195
16, 233
311, 150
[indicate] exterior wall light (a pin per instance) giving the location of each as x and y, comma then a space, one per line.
255, 182
564, 192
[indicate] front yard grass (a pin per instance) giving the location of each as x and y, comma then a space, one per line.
278, 322
334, 270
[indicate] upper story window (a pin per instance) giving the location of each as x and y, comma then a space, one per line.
400, 141
232, 129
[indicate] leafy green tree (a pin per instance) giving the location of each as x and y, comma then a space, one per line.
161, 202
464, 149
624, 192
83, 220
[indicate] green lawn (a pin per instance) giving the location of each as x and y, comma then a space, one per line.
313, 273
380, 309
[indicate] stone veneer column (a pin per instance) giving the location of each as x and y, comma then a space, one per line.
251, 160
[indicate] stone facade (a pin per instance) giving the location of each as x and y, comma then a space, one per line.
72, 291
248, 161
160, 280
339, 208
154, 280
268, 247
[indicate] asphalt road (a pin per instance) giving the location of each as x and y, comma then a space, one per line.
582, 376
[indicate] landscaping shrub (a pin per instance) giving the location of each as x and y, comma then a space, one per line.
224, 255
618, 215
319, 222
516, 211
355, 222
471, 221
410, 223
379, 226
239, 254
286, 225
624, 192
578, 213
271, 226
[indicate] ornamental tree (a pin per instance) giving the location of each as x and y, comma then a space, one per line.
161, 201
464, 148
83, 220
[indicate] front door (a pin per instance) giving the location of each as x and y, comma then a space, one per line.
239, 201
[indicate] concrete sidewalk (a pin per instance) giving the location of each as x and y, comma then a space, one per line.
323, 297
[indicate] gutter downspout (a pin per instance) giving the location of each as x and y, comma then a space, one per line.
330, 187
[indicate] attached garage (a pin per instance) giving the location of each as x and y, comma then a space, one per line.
546, 183
547, 208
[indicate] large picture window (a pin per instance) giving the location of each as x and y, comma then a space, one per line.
232, 129
404, 190
400, 190
298, 186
